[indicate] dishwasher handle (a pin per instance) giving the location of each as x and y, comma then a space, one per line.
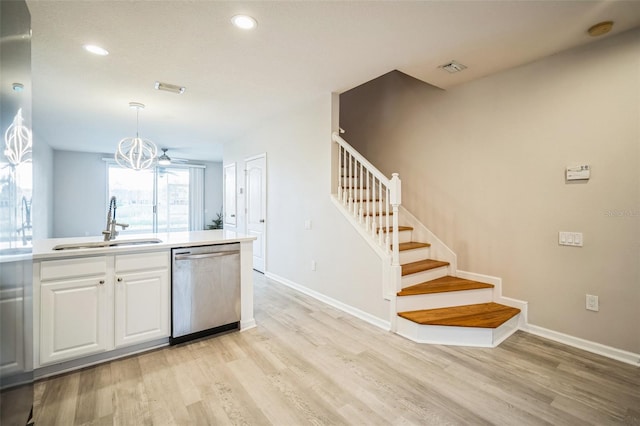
188, 256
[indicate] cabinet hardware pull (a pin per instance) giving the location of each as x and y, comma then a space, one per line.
101, 282
205, 255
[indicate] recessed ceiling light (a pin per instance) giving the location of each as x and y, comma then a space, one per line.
96, 50
245, 22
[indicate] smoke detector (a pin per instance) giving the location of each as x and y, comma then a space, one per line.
178, 90
600, 28
453, 67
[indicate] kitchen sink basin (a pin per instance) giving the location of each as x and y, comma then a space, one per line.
112, 243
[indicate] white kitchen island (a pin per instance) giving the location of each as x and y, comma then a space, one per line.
92, 304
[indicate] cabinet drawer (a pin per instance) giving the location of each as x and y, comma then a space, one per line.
142, 261
71, 268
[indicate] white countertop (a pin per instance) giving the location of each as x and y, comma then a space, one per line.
43, 249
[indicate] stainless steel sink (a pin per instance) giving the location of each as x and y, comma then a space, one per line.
112, 243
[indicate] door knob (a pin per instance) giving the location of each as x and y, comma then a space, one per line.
261, 220
119, 280
101, 282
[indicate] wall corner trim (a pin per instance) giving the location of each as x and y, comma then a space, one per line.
373, 320
587, 345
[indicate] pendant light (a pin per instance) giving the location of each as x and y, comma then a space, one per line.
18, 141
136, 153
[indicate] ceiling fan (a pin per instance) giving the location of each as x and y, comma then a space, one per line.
165, 160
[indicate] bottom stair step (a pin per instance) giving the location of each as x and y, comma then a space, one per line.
484, 315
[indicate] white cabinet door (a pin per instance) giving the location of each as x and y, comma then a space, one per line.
11, 321
141, 307
74, 318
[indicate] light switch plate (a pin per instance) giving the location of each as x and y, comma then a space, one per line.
592, 303
574, 239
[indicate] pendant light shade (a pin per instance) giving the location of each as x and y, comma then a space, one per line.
136, 153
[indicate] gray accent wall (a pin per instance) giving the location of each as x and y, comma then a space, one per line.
482, 165
79, 194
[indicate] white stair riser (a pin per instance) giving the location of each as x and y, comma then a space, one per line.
457, 336
404, 236
350, 181
370, 203
443, 300
409, 256
421, 277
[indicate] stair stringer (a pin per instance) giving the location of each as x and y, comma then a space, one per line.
391, 274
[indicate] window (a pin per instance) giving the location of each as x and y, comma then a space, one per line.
155, 200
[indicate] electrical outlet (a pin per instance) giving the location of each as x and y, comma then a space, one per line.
592, 303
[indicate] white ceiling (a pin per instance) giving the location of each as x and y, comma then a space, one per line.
300, 50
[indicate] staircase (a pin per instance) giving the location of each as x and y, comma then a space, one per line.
430, 303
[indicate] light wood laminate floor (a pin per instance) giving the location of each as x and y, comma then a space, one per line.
307, 363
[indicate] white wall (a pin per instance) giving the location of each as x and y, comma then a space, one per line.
482, 166
212, 191
42, 207
298, 146
80, 194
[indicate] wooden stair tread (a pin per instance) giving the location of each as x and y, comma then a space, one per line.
443, 285
422, 265
483, 315
400, 228
412, 245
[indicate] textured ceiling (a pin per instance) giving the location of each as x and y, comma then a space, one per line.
300, 50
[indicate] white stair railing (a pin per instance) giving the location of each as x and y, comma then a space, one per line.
370, 197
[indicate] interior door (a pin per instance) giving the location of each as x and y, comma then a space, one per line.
230, 195
256, 205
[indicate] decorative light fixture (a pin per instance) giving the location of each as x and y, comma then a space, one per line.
244, 22
18, 141
600, 28
136, 153
164, 159
173, 88
96, 50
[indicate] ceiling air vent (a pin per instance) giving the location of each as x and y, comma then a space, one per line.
170, 88
453, 67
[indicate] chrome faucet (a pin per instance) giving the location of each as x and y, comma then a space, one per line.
110, 233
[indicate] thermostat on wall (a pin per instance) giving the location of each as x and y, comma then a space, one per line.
579, 172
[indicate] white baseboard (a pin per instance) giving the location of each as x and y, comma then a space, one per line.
587, 345
246, 325
373, 320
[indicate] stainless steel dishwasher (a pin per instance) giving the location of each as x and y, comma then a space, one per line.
205, 291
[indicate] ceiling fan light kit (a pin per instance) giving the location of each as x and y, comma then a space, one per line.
164, 159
